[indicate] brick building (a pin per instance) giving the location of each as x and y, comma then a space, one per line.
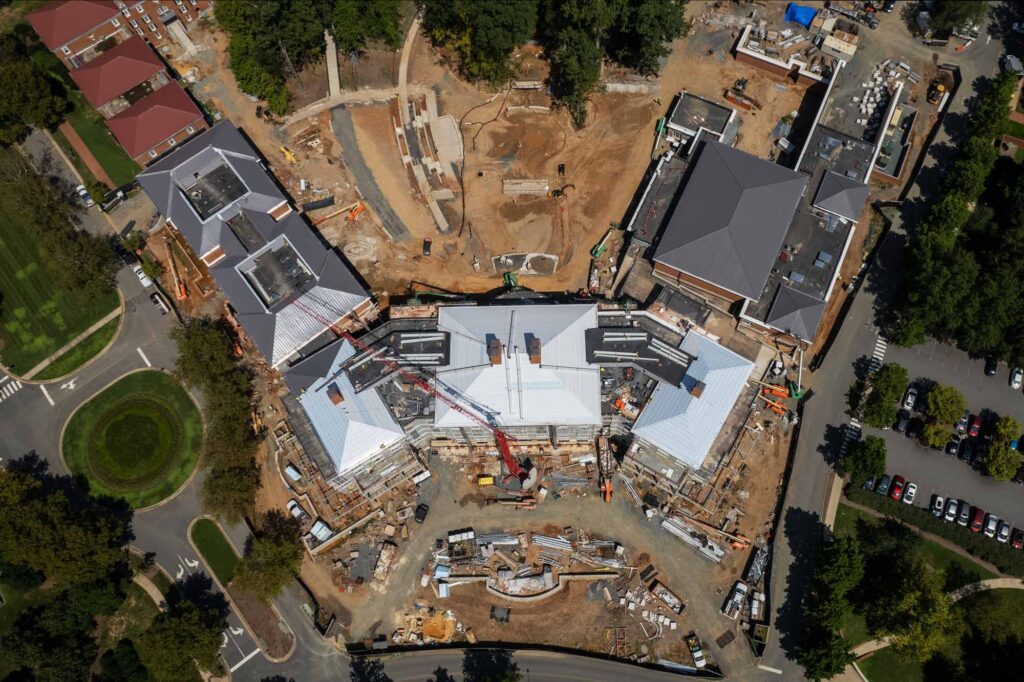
77, 31
157, 123
121, 76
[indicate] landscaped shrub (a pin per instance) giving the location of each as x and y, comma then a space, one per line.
1003, 556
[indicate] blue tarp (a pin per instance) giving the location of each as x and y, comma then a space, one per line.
799, 14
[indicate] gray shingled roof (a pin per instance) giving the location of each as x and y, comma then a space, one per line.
285, 326
731, 220
796, 313
841, 195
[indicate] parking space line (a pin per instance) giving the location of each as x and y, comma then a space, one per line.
245, 660
46, 395
144, 358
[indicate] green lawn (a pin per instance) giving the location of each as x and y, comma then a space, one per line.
139, 439
216, 550
86, 350
887, 666
1015, 129
93, 130
131, 620
35, 318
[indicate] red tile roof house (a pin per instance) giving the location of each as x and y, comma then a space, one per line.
121, 76
73, 29
157, 123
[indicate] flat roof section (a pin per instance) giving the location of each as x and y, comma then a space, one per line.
409, 348
213, 190
277, 273
246, 233
692, 112
663, 187
838, 152
636, 347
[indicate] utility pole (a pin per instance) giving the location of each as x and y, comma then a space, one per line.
291, 66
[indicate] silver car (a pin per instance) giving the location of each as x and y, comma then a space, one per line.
1003, 532
991, 524
951, 507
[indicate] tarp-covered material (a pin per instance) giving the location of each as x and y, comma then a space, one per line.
799, 14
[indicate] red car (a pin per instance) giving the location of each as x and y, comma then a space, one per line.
896, 491
977, 519
1017, 540
975, 427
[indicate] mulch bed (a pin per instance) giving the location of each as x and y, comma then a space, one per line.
263, 622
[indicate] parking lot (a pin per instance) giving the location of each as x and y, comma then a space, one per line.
934, 471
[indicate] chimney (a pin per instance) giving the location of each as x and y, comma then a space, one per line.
494, 349
334, 393
533, 347
697, 389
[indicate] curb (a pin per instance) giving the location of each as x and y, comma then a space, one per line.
241, 616
63, 428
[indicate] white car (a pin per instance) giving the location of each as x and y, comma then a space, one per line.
143, 277
909, 492
910, 398
1016, 378
297, 511
83, 194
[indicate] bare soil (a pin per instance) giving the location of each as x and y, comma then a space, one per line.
263, 621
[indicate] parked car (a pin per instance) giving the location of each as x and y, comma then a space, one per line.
1017, 539
421, 513
953, 446
914, 427
896, 491
883, 485
1003, 532
951, 508
909, 493
427, 243
991, 524
966, 450
902, 419
975, 428
143, 277
321, 531
696, 651
888, 6
965, 513
158, 301
977, 520
909, 398
1012, 64
296, 510
83, 194
961, 426
1016, 378
991, 365
937, 503
869, 484
1017, 27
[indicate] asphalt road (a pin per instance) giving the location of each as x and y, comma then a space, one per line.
821, 429
536, 666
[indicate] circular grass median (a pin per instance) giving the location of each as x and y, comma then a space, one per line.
138, 439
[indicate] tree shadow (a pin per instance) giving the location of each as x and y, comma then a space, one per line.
956, 576
199, 590
365, 669
831, 445
802, 530
483, 665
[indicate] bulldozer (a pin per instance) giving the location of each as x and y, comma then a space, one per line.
936, 89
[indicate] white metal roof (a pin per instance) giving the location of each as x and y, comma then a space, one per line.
562, 389
683, 426
356, 429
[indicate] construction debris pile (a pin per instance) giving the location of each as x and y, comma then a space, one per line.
873, 101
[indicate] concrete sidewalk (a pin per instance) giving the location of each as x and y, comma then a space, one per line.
112, 315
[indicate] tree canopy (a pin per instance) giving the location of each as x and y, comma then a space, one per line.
887, 386
945, 404
1001, 461
269, 38
30, 99
189, 632
864, 459
947, 15
206, 360
273, 556
577, 36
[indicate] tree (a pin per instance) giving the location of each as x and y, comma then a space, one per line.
822, 653
273, 556
887, 387
641, 31
945, 404
1006, 429
54, 641
948, 15
911, 609
229, 492
482, 33
188, 633
575, 69
1001, 461
78, 262
364, 669
30, 100
122, 664
50, 526
864, 459
935, 435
